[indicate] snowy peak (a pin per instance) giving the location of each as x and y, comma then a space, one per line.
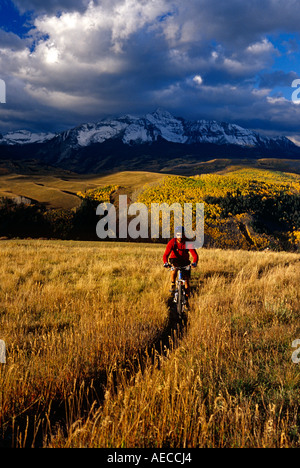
148, 129
151, 142
88, 134
168, 127
133, 130
221, 133
23, 137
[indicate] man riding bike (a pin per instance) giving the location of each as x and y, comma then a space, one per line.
177, 254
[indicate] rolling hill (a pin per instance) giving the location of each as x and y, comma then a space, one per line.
58, 188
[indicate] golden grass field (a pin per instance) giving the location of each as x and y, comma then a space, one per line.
75, 315
59, 189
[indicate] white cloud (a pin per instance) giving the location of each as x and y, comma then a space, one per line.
262, 47
97, 35
277, 100
198, 80
52, 55
261, 93
130, 16
114, 56
53, 98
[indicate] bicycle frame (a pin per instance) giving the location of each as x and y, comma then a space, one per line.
179, 296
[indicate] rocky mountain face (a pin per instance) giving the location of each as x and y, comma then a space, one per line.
147, 142
161, 124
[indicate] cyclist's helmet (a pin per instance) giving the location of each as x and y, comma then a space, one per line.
179, 230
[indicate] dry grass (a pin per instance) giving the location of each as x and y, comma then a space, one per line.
73, 315
59, 190
70, 312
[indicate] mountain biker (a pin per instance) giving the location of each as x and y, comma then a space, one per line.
177, 254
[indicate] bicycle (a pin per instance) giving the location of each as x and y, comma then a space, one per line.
180, 295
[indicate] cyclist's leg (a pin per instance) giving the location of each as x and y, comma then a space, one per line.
173, 279
187, 287
187, 276
173, 274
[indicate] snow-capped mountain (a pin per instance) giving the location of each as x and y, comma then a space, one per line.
156, 141
161, 124
23, 137
148, 129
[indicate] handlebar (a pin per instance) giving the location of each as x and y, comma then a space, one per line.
188, 267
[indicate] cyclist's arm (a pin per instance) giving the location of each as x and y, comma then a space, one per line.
167, 251
194, 255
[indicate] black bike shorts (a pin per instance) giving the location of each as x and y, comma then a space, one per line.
177, 263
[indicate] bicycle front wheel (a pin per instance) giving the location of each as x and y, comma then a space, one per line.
180, 300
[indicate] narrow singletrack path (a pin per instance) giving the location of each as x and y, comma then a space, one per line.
153, 354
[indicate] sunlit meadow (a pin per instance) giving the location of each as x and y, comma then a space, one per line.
73, 316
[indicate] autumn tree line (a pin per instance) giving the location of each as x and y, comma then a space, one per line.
244, 209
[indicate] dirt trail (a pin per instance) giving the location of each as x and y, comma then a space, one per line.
163, 343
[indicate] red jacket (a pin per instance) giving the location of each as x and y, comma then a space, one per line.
178, 250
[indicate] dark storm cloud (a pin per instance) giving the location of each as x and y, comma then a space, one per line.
277, 78
84, 60
239, 23
9, 40
50, 6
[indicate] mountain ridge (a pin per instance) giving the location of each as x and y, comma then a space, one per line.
150, 142
146, 129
